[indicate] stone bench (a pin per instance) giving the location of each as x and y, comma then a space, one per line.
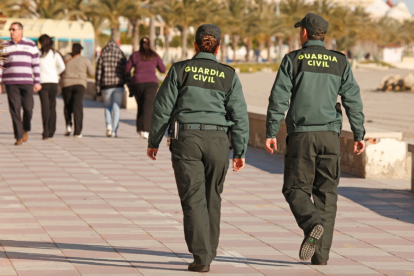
385, 155
411, 150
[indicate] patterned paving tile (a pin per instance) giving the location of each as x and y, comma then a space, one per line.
98, 206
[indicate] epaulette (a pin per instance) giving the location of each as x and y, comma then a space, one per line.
338, 52
228, 66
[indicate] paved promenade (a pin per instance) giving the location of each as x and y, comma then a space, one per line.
98, 206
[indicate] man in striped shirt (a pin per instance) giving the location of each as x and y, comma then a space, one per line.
21, 75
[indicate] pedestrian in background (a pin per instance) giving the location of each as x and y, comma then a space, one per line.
51, 66
204, 99
21, 75
144, 84
109, 82
74, 84
310, 79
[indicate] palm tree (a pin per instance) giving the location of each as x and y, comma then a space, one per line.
112, 10
237, 19
267, 25
293, 11
187, 13
10, 8
134, 17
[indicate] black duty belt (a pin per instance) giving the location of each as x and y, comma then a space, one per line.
201, 127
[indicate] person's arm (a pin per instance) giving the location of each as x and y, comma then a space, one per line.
160, 65
89, 68
351, 100
162, 111
98, 76
237, 112
129, 64
278, 102
127, 76
59, 63
35, 65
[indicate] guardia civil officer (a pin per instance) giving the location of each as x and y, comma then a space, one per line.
312, 78
203, 99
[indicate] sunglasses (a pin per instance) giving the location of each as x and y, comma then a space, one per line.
12, 29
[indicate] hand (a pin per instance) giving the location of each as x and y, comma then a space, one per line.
152, 153
359, 147
269, 142
1, 89
238, 164
37, 87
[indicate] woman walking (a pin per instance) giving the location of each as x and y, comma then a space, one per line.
144, 84
51, 66
74, 85
109, 82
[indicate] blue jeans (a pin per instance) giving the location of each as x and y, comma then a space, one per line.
112, 100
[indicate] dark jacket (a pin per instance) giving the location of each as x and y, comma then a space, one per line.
312, 78
110, 69
201, 91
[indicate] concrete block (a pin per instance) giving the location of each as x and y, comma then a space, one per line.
385, 155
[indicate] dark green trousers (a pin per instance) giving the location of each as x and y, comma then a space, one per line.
200, 161
312, 168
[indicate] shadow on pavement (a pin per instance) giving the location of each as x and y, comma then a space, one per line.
131, 122
65, 247
391, 203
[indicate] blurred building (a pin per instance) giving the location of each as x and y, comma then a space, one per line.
65, 33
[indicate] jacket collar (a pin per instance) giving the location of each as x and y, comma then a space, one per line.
203, 55
310, 43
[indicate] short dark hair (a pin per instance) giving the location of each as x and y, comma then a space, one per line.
76, 49
17, 23
320, 36
208, 44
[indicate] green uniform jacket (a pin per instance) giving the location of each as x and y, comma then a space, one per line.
311, 78
201, 91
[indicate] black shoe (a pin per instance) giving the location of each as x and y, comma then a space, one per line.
322, 263
198, 268
307, 249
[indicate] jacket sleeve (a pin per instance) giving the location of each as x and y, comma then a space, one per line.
237, 111
352, 102
129, 64
60, 64
98, 75
127, 76
163, 108
279, 98
89, 68
160, 65
35, 65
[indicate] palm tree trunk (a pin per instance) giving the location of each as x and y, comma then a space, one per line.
184, 34
269, 45
116, 34
248, 48
167, 43
280, 45
152, 32
135, 35
223, 48
235, 43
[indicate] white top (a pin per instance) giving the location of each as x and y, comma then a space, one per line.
51, 66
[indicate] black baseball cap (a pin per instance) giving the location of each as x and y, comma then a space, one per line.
314, 24
208, 29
